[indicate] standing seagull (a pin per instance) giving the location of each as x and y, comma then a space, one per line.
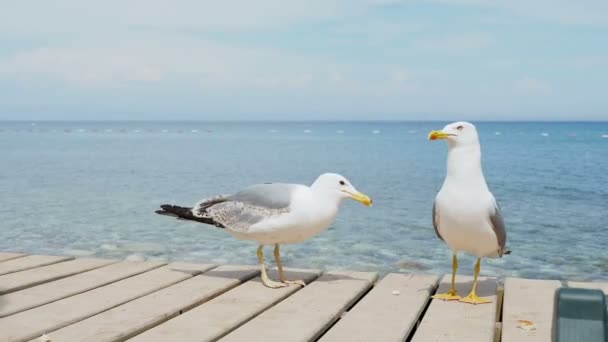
274, 213
465, 213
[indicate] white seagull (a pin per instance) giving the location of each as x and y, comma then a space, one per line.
273, 214
465, 213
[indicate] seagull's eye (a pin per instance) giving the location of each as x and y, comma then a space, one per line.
460, 128
342, 182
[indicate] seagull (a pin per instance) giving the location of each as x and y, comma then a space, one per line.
466, 215
273, 214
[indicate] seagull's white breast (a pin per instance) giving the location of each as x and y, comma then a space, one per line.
463, 221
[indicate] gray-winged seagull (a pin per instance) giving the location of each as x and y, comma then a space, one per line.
465, 213
273, 214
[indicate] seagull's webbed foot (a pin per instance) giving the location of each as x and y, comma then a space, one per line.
472, 298
294, 282
271, 283
450, 295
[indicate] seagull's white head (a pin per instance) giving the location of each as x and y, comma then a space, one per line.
338, 186
457, 134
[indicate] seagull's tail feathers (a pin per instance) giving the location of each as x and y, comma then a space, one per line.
183, 213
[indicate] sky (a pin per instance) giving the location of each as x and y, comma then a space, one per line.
300, 60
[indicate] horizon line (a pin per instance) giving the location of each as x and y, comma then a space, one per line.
300, 121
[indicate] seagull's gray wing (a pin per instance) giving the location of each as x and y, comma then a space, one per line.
436, 220
247, 207
498, 226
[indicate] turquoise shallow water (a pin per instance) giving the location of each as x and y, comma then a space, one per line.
90, 188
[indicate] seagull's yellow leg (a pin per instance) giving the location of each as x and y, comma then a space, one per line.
472, 298
277, 259
265, 280
451, 294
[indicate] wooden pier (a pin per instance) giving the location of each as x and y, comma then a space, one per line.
89, 299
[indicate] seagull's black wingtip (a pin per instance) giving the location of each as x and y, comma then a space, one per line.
165, 213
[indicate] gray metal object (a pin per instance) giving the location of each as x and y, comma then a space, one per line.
580, 316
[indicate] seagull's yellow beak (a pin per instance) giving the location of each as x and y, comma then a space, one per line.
361, 198
435, 135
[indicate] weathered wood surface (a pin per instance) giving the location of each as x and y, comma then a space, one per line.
33, 323
43, 294
528, 300
97, 300
20, 280
388, 313
141, 314
306, 315
456, 321
29, 261
225, 313
10, 256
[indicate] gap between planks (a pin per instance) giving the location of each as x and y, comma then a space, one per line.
30, 261
36, 276
4, 256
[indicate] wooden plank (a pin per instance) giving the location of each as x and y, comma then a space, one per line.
383, 315
590, 285
43, 294
530, 300
141, 314
20, 280
11, 256
30, 261
456, 321
223, 314
33, 323
309, 312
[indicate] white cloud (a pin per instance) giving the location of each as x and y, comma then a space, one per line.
588, 62
580, 12
531, 86
206, 64
335, 77
88, 67
583, 12
379, 31
400, 75
456, 43
31, 16
285, 82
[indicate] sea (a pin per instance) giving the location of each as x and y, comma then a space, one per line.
90, 189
